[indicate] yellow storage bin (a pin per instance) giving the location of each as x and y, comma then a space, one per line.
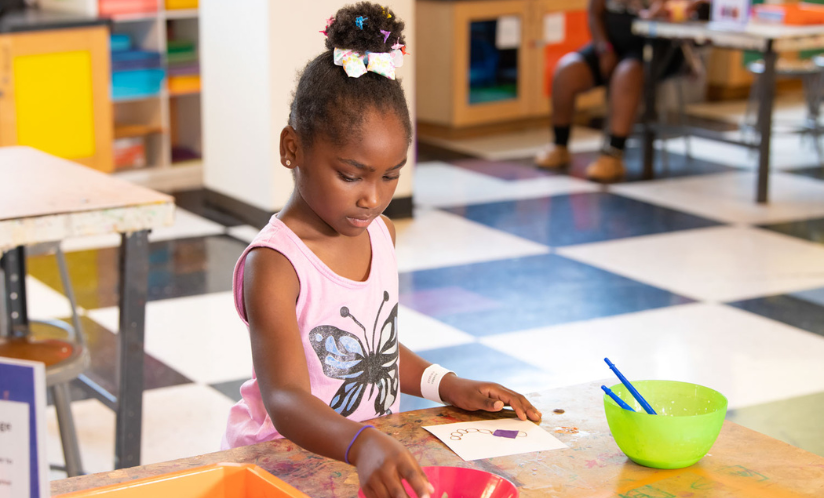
181, 4
226, 480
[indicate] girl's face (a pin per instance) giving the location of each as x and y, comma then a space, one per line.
349, 186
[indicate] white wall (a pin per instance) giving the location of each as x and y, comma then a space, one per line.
251, 53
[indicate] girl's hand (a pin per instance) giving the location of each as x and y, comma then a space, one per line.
473, 395
382, 463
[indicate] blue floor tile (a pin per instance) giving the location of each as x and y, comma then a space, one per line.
530, 292
572, 219
787, 309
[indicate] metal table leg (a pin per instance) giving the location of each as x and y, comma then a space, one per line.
764, 125
649, 117
134, 284
14, 275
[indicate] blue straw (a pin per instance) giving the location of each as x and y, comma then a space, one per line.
635, 394
623, 404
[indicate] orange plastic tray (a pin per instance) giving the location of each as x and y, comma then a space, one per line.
224, 480
793, 14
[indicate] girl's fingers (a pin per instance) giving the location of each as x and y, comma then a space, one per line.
417, 479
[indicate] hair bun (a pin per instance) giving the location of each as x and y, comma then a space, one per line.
363, 27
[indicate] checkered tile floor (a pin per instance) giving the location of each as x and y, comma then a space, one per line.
514, 274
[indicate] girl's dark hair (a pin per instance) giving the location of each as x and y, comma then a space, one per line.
327, 101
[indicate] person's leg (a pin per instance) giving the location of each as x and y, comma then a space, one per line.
573, 75
625, 89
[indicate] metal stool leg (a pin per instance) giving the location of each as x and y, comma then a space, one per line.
68, 435
69, 291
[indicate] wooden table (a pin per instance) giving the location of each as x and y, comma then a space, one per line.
769, 40
742, 463
47, 199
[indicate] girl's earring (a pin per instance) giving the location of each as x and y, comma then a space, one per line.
288, 162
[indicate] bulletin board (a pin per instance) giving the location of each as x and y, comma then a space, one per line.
574, 35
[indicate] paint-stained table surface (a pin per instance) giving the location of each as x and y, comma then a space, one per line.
742, 463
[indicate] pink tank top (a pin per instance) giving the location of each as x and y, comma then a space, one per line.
349, 331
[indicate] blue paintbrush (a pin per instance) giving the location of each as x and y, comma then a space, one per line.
623, 404
635, 394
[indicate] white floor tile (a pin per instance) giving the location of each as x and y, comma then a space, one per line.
420, 332
178, 422
712, 264
788, 107
246, 233
187, 225
434, 239
45, 303
749, 359
439, 184
730, 197
200, 336
521, 144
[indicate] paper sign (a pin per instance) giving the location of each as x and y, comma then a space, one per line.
508, 32
24, 468
14, 448
554, 28
730, 12
477, 440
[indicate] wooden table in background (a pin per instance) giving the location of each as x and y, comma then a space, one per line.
742, 463
47, 199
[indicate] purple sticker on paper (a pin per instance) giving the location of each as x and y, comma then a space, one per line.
509, 434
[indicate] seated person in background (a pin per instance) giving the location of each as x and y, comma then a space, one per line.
613, 58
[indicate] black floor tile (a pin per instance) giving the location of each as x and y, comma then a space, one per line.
195, 202
812, 230
787, 309
177, 268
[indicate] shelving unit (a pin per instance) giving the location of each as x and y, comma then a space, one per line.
167, 121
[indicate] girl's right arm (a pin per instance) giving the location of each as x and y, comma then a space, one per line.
270, 291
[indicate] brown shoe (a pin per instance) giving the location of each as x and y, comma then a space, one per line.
553, 157
606, 169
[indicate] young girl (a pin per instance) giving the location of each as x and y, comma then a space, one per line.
318, 287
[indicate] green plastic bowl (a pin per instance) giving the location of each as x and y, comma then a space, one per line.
688, 422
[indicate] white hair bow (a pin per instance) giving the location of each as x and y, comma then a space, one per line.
357, 64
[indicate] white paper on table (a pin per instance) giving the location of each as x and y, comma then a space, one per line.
477, 445
508, 32
554, 28
14, 450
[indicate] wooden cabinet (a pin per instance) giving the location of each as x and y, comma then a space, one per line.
473, 74
54, 93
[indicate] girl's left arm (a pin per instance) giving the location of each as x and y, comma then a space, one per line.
470, 395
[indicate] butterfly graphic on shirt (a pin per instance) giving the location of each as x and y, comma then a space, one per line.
373, 367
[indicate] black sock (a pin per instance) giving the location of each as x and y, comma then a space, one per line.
616, 142
561, 135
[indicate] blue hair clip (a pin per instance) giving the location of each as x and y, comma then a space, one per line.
359, 21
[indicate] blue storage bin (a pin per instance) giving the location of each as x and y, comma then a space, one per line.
129, 60
118, 43
134, 84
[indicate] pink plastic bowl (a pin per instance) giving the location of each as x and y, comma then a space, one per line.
458, 482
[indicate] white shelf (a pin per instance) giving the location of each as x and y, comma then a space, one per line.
143, 16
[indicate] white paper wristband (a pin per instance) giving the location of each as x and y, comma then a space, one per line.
431, 382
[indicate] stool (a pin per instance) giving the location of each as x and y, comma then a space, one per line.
65, 360
811, 73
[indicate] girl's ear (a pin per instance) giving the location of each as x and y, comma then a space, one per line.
289, 147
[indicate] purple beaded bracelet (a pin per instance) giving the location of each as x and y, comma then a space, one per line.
346, 455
